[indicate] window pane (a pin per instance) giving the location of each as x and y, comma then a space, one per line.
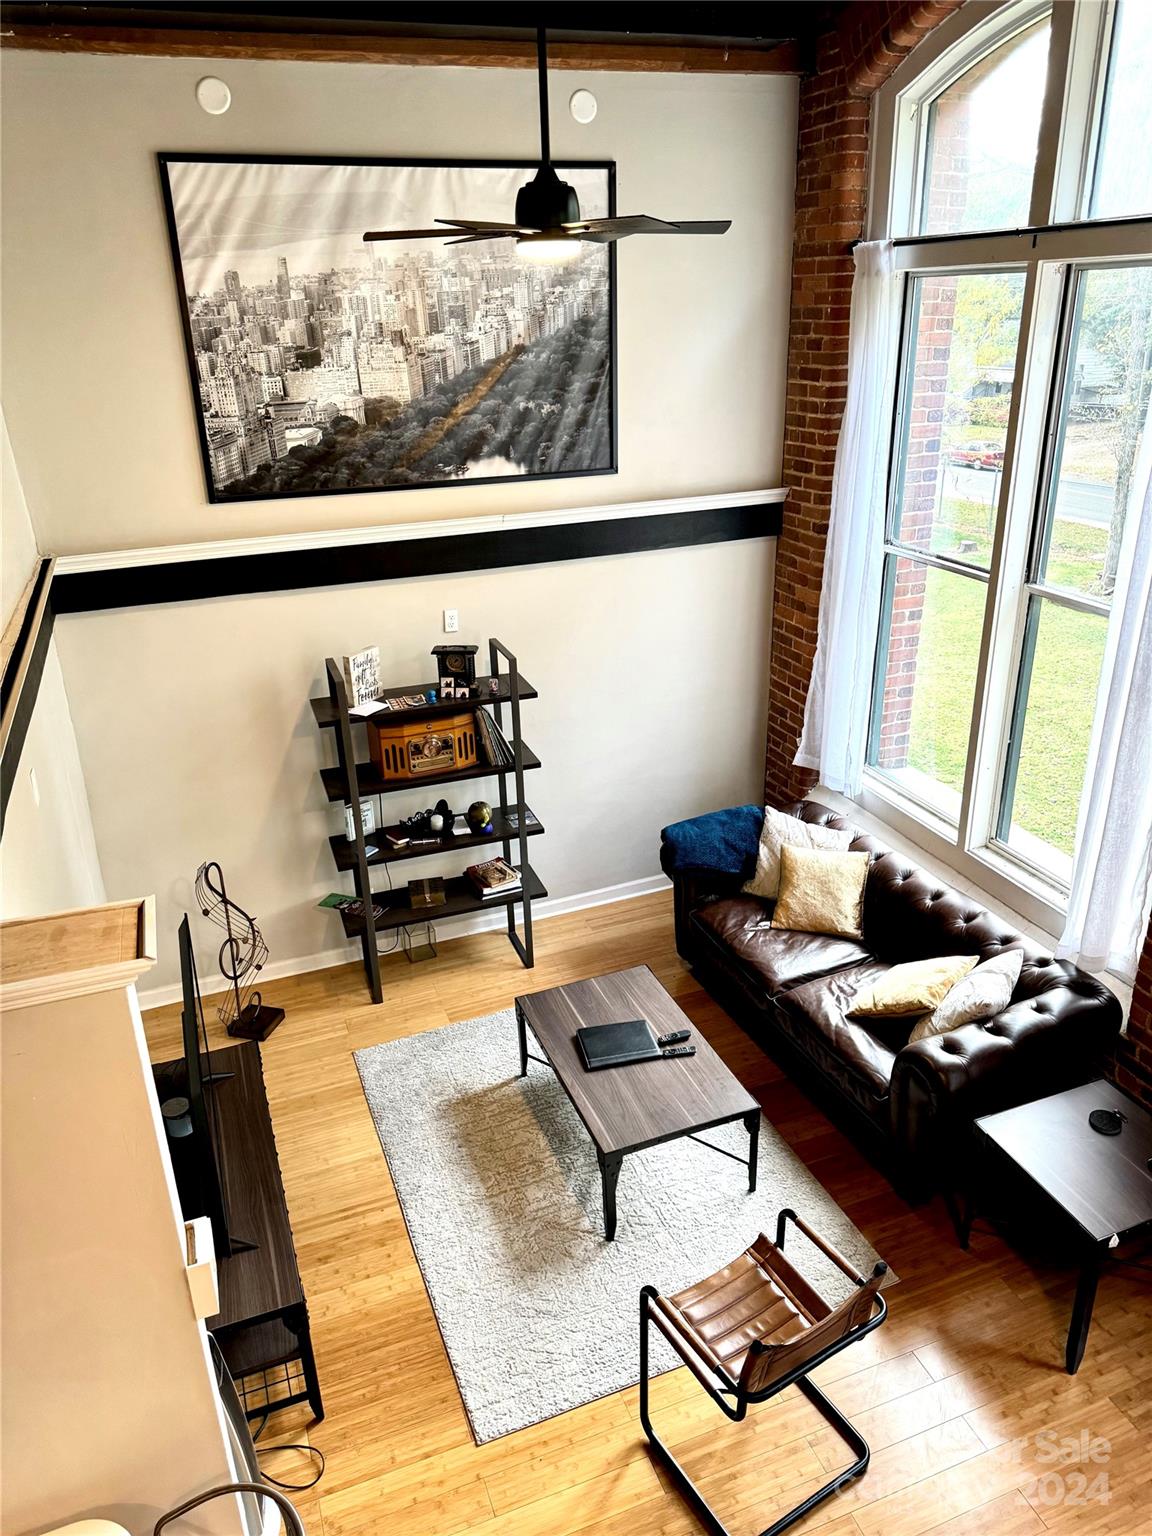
957, 391
1098, 436
1123, 183
982, 134
1055, 707
923, 698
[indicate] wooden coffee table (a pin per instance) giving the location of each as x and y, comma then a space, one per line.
625, 1109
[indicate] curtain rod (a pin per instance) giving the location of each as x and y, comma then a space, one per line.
1029, 231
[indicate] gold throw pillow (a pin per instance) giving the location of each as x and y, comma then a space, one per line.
916, 987
821, 892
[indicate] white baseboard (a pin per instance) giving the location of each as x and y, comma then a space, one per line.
451, 928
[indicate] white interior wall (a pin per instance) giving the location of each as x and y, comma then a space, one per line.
198, 741
99, 401
48, 859
18, 552
194, 728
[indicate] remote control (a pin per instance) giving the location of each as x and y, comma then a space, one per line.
680, 1050
674, 1038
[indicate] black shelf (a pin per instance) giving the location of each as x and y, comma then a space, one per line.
370, 782
460, 899
327, 713
351, 783
344, 852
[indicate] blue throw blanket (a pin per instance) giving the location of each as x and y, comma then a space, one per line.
722, 840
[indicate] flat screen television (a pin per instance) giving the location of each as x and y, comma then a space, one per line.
202, 1184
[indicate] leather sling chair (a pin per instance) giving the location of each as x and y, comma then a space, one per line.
752, 1329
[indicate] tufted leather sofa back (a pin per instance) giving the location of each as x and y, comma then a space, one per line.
910, 915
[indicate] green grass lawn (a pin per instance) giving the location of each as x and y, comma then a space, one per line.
1065, 672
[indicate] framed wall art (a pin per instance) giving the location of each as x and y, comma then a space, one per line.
323, 364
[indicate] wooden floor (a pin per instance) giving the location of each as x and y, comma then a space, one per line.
961, 1394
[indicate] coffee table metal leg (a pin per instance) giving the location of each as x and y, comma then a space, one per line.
609, 1173
522, 1029
752, 1125
1082, 1311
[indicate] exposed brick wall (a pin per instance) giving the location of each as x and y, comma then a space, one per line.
869, 39
1132, 1069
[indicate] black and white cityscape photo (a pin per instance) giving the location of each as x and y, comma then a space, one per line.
322, 363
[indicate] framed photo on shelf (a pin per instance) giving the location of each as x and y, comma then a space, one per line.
322, 364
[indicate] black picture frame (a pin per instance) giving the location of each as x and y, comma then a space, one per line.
216, 496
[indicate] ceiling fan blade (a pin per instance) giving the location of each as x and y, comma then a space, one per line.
603, 230
490, 234
478, 224
406, 234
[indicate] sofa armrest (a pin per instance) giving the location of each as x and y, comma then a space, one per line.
708, 857
692, 889
1055, 1033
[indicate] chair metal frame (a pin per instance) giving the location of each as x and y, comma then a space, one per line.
736, 1410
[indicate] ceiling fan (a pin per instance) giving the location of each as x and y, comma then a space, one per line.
548, 225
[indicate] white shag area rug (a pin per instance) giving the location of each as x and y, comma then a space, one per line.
500, 1188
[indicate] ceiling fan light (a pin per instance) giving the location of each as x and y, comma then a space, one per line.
547, 247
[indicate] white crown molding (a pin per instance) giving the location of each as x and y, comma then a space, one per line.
389, 533
451, 928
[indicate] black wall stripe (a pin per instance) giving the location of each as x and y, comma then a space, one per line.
299, 569
35, 644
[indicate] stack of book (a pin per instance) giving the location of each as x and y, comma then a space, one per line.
495, 877
497, 748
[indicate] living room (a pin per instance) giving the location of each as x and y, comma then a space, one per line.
756, 619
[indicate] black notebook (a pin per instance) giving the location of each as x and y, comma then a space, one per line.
615, 1045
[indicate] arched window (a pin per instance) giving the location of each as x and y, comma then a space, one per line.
1012, 166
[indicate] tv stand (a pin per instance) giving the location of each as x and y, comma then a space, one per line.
262, 1323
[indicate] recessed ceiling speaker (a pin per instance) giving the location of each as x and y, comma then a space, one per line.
213, 95
583, 106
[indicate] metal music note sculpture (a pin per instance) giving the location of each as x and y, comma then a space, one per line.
242, 955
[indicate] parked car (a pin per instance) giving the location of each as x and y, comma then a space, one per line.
977, 455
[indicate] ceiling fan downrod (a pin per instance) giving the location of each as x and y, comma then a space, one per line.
546, 203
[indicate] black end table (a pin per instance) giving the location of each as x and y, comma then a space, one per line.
1102, 1183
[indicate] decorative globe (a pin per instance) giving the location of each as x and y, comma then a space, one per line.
479, 818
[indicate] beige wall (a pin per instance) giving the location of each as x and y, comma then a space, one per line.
99, 402
198, 743
195, 734
48, 852
109, 1405
18, 552
48, 859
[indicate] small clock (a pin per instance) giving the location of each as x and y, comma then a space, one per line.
456, 669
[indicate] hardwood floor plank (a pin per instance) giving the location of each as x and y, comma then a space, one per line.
1009, 1515
971, 1353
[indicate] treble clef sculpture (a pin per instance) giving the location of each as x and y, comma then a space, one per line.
243, 1011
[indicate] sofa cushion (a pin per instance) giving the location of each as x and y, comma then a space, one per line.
821, 891
779, 829
775, 958
858, 1054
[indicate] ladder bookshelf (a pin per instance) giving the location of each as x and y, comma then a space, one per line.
350, 782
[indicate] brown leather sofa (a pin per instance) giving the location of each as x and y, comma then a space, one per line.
790, 991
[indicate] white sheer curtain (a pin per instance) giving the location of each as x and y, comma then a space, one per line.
834, 737
1112, 867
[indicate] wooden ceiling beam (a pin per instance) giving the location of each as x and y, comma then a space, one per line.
339, 48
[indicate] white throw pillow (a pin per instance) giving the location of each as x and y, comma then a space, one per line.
983, 993
777, 830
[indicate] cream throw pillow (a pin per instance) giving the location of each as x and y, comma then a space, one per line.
821, 891
985, 991
915, 987
777, 831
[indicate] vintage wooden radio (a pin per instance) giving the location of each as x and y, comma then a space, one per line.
413, 749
